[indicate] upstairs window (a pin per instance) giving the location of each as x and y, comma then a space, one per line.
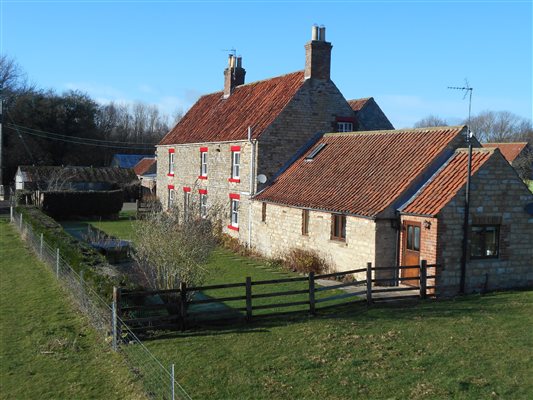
344, 126
203, 203
203, 163
485, 241
338, 227
235, 163
171, 162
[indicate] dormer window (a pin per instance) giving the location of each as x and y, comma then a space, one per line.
203, 163
344, 126
170, 162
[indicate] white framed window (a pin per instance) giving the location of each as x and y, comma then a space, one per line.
343, 126
171, 163
170, 198
203, 204
186, 203
235, 164
203, 163
235, 213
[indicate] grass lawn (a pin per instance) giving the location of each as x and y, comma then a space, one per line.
48, 350
121, 228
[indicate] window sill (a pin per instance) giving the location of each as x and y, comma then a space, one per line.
170, 174
233, 228
234, 180
202, 177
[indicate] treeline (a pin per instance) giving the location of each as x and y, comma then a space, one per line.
42, 127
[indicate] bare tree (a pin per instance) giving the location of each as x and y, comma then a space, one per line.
500, 126
431, 120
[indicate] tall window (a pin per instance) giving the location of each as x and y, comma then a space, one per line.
305, 222
203, 203
235, 213
171, 162
344, 126
235, 164
186, 202
203, 162
170, 197
338, 227
485, 241
263, 212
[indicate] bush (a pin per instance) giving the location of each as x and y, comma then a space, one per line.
79, 255
63, 204
305, 261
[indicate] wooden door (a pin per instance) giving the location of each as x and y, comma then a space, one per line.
411, 252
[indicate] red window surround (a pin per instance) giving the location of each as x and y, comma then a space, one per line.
186, 189
234, 180
203, 149
235, 148
233, 228
235, 196
170, 186
169, 174
202, 191
171, 150
202, 177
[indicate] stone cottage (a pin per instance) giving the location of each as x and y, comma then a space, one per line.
359, 197
233, 142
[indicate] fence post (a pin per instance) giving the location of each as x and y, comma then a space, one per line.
41, 246
20, 223
11, 215
248, 299
423, 279
57, 263
172, 394
369, 283
183, 304
116, 315
312, 293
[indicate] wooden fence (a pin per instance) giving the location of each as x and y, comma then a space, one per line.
177, 308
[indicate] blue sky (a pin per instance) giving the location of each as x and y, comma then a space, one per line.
403, 53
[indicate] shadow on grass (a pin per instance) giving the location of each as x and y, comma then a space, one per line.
464, 306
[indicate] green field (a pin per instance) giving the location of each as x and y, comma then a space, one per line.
48, 350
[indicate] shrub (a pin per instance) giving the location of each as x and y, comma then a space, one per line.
63, 204
305, 261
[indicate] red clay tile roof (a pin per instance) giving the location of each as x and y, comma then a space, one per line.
359, 173
144, 166
358, 104
509, 150
446, 182
215, 119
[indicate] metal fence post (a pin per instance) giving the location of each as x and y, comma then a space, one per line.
11, 215
41, 246
312, 293
57, 263
117, 333
423, 279
369, 283
20, 223
172, 394
114, 324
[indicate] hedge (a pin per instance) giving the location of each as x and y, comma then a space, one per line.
79, 255
61, 204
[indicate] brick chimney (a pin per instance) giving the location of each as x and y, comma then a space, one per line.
233, 75
317, 55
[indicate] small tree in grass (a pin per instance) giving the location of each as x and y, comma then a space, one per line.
170, 249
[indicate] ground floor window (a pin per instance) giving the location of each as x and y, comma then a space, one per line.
186, 204
338, 227
203, 205
170, 198
235, 213
485, 241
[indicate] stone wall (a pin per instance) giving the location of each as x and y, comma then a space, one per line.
314, 108
498, 196
282, 231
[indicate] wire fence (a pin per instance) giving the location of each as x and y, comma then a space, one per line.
158, 381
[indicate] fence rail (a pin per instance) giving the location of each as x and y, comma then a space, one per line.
178, 305
159, 381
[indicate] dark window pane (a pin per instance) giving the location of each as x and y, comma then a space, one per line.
416, 241
410, 237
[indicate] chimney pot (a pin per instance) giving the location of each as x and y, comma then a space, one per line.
233, 75
314, 32
322, 33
